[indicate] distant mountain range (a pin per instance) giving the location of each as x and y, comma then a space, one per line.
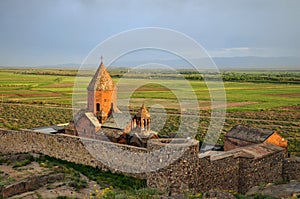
234, 63
292, 63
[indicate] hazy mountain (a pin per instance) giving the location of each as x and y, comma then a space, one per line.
242, 63
251, 62
258, 62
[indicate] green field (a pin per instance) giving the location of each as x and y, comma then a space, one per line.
18, 86
27, 88
37, 97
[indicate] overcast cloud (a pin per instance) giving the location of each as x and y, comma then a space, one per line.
36, 32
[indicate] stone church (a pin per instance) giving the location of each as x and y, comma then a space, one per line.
98, 120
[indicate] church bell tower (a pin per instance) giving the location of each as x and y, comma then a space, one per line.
102, 94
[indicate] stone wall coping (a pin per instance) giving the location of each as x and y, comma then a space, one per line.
75, 137
293, 159
215, 155
220, 156
207, 154
113, 144
257, 150
36, 132
262, 150
173, 141
252, 152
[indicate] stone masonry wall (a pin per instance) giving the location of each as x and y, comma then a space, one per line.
233, 170
265, 169
291, 168
221, 173
65, 147
179, 174
184, 169
196, 174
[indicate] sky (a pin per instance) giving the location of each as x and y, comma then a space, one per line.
41, 32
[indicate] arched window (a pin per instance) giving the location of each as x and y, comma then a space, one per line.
97, 107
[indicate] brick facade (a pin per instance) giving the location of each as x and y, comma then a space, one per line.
102, 98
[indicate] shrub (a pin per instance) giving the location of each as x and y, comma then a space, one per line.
22, 163
2, 160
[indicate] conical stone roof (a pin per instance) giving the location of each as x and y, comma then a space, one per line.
101, 81
143, 112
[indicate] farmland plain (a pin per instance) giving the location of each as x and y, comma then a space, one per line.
271, 100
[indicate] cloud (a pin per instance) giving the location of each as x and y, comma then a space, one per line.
236, 49
244, 52
45, 32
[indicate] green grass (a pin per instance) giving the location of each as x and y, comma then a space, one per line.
116, 185
270, 105
19, 86
6, 182
112, 185
22, 163
28, 88
25, 117
104, 179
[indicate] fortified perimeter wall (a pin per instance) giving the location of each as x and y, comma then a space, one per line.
291, 167
61, 146
237, 170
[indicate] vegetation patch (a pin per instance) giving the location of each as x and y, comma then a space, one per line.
264, 99
104, 179
256, 196
22, 163
112, 186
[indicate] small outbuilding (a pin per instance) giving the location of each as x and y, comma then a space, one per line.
240, 136
86, 124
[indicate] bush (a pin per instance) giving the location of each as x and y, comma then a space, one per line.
2, 160
22, 163
77, 183
62, 197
